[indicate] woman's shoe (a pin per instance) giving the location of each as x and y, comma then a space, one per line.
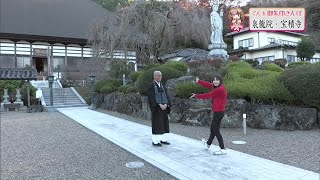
220, 152
205, 144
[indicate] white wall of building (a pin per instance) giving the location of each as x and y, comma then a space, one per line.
261, 39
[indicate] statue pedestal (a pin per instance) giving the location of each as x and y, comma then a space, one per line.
218, 51
4, 103
21, 103
217, 46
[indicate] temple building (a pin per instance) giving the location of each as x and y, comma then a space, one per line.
48, 35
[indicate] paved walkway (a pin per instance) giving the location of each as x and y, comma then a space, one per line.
185, 158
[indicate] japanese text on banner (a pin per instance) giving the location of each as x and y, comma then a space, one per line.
277, 19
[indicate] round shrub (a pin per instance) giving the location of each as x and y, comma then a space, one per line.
185, 89
304, 83
243, 81
123, 88
114, 83
295, 64
272, 67
131, 89
134, 75
144, 81
181, 66
106, 89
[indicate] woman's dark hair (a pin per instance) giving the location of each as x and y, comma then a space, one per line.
218, 77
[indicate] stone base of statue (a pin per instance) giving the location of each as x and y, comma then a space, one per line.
4, 103
217, 50
21, 103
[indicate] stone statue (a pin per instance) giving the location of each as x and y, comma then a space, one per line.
217, 46
18, 95
5, 96
216, 24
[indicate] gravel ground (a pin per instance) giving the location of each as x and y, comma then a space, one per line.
296, 148
49, 145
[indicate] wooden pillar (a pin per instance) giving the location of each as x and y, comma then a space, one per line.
15, 55
81, 53
28, 92
65, 61
31, 62
82, 65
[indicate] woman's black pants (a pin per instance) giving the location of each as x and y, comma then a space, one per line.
215, 129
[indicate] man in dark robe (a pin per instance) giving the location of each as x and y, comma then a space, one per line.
159, 103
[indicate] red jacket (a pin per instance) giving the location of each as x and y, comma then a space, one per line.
218, 95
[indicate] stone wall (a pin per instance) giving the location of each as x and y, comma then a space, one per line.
199, 113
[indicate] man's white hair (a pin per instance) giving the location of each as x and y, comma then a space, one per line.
155, 73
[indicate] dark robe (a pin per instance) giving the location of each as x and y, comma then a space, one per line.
159, 117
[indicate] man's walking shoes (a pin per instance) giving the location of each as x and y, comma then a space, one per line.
158, 144
165, 142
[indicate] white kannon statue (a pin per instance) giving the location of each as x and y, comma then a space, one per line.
217, 46
216, 23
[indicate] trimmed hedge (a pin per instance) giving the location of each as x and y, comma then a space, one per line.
295, 64
242, 81
181, 66
131, 89
113, 83
123, 88
304, 83
150, 66
185, 89
272, 67
146, 78
106, 89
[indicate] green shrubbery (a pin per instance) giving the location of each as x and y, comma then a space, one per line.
304, 83
123, 88
181, 66
131, 89
106, 85
185, 89
12, 85
242, 81
107, 89
295, 64
144, 81
135, 75
127, 89
272, 67
149, 66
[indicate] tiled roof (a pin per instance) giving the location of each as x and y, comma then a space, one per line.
17, 74
49, 19
246, 29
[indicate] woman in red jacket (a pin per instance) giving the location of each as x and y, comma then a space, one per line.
219, 98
